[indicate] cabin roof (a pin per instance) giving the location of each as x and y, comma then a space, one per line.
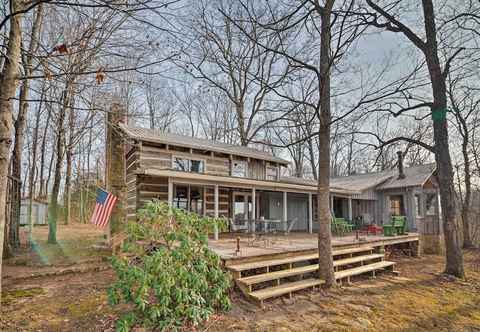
157, 136
309, 182
414, 176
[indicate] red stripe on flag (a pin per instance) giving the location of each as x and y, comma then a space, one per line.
95, 212
102, 212
108, 210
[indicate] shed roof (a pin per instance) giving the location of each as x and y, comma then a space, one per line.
157, 136
414, 176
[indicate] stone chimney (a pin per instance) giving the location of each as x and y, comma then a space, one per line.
401, 173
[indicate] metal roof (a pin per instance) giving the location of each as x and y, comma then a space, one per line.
157, 136
414, 176
313, 183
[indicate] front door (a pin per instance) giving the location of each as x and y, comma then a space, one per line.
242, 206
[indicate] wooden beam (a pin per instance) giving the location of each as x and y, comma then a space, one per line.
215, 212
170, 192
310, 213
285, 212
254, 205
350, 212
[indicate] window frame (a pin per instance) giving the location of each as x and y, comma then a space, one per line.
189, 164
243, 162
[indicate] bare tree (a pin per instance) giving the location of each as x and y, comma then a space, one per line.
383, 18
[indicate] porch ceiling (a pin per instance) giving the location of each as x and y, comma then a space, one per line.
228, 181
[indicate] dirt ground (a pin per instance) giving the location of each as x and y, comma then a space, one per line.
63, 288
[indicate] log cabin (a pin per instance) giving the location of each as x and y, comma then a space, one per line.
241, 183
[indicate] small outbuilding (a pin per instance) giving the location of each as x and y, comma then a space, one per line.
39, 212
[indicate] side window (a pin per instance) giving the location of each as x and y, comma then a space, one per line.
271, 173
188, 165
180, 164
196, 166
418, 207
430, 205
239, 169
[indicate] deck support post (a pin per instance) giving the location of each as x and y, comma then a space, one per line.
285, 212
215, 212
170, 192
350, 212
310, 214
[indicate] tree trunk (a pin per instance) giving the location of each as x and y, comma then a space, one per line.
21, 119
325, 259
42, 189
31, 180
68, 174
8, 82
60, 145
454, 256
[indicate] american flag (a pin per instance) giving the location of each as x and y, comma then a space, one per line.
103, 208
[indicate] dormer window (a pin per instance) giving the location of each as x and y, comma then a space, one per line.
188, 165
239, 168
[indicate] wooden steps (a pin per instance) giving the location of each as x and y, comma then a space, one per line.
290, 260
283, 289
363, 269
261, 283
269, 276
356, 259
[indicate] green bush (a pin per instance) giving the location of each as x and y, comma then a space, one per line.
171, 279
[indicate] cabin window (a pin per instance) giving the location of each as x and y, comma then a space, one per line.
418, 207
180, 164
430, 205
196, 166
396, 205
188, 165
239, 169
180, 201
188, 198
271, 173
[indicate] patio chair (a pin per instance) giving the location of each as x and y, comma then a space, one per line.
400, 224
238, 225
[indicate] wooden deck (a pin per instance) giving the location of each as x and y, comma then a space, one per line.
278, 245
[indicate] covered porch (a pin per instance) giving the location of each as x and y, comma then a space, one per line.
252, 205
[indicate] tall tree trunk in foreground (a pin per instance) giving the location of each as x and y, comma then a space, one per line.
21, 121
454, 262
429, 48
8, 81
323, 197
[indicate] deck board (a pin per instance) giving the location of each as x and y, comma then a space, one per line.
283, 289
363, 269
294, 259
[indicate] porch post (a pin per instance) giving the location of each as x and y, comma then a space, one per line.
215, 212
350, 212
170, 192
331, 204
310, 213
285, 212
253, 210
254, 204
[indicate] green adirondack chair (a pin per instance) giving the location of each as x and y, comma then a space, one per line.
400, 224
